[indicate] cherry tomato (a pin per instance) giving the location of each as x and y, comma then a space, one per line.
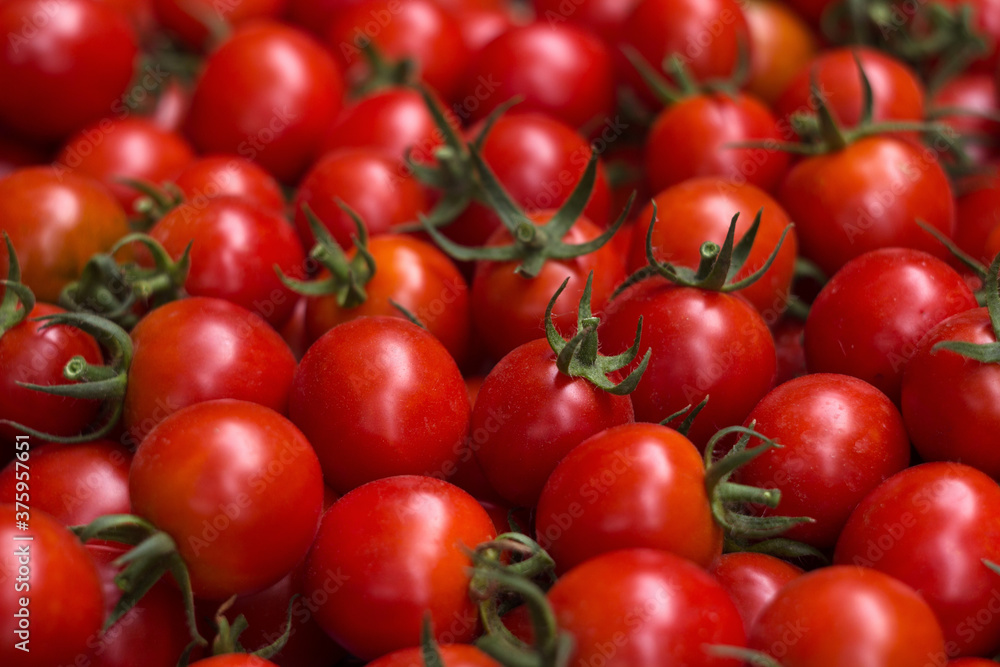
388, 553
193, 20
930, 526
752, 581
218, 477
267, 94
52, 601
976, 217
56, 221
604, 18
782, 45
631, 486
69, 63
480, 26
788, 335
451, 656
234, 660
985, 22
229, 176
974, 94
361, 395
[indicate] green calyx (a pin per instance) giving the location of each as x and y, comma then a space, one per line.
348, 277
533, 244
718, 266
383, 72
113, 290
746, 655
579, 356
155, 202
728, 498
687, 415
91, 382
986, 353
18, 299
227, 635
681, 83
154, 554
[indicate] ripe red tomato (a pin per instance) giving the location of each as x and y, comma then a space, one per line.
782, 44
194, 20
976, 217
218, 477
840, 438
930, 526
752, 581
229, 176
691, 139
69, 62
52, 601
985, 22
267, 94
56, 221
859, 325
631, 486
379, 418
481, 25
235, 246
133, 148
79, 482
604, 18
977, 95
560, 70
179, 361
645, 607
848, 615
388, 553
451, 656
234, 660
866, 197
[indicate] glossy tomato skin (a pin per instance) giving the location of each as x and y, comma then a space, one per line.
177, 363
703, 344
235, 246
645, 607
417, 29
60, 571
896, 90
229, 176
752, 581
976, 93
481, 25
80, 482
699, 210
509, 310
56, 222
782, 44
866, 197
557, 68
631, 486
451, 656
705, 33
133, 148
33, 355
218, 477
391, 551
69, 63
376, 186
192, 20
154, 628
692, 138
848, 615
361, 395
840, 437
949, 403
415, 275
870, 316
266, 94
534, 415
929, 526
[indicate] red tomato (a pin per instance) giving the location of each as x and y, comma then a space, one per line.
229, 176
30, 354
235, 246
193, 20
782, 45
848, 615
866, 197
604, 18
840, 438
234, 660
631, 486
985, 22
56, 221
752, 581
388, 553
218, 477
80, 482
69, 62
267, 93
692, 138
451, 656
976, 94
645, 607
480, 26
559, 70
976, 217
200, 349
52, 602
380, 418
788, 343
415, 29
133, 148
699, 210
930, 526
859, 325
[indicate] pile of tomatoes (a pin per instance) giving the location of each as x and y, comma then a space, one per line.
463, 333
